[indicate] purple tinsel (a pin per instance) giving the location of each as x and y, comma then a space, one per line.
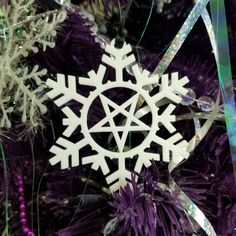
147, 209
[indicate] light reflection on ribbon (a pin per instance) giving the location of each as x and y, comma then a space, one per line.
207, 125
197, 125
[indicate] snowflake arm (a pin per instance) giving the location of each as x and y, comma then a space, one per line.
145, 159
94, 78
5, 122
44, 27
97, 161
26, 98
72, 121
166, 118
143, 77
119, 177
24, 74
118, 58
118, 63
173, 89
59, 88
65, 152
118, 53
32, 103
178, 150
22, 89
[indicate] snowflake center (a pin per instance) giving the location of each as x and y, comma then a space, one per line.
119, 123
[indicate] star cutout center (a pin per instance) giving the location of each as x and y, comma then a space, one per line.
127, 109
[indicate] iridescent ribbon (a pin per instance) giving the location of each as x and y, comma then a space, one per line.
224, 70
181, 36
191, 209
220, 50
176, 44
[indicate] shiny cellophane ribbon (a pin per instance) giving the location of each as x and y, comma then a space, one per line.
224, 70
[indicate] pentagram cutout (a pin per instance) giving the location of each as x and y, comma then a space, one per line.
130, 122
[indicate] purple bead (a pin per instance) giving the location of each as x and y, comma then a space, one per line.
21, 198
20, 183
19, 177
189, 98
23, 221
22, 214
21, 190
26, 229
22, 207
205, 103
30, 234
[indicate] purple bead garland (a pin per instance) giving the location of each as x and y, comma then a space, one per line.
23, 219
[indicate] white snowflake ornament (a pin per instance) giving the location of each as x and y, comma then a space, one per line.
67, 153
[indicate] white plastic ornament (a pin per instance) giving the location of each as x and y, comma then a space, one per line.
67, 153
